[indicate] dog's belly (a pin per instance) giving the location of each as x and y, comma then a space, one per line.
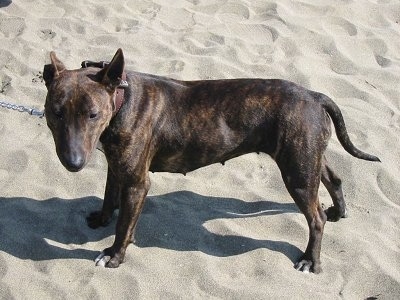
184, 163
193, 157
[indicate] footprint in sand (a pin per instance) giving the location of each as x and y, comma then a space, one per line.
338, 26
101, 12
203, 43
12, 26
47, 34
233, 12
105, 40
151, 11
5, 84
379, 48
17, 162
382, 61
339, 63
270, 12
388, 184
127, 25
5, 290
176, 66
38, 78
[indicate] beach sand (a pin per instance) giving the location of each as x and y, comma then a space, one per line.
229, 232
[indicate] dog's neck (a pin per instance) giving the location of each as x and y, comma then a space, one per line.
120, 94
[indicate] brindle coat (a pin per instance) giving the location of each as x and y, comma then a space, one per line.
178, 126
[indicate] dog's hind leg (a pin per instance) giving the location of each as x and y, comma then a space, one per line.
301, 174
111, 202
334, 186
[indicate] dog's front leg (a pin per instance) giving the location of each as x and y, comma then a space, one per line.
110, 203
131, 203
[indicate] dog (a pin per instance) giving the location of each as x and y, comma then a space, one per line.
151, 123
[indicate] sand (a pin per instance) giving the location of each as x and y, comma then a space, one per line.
229, 232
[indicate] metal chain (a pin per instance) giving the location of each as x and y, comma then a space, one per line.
21, 108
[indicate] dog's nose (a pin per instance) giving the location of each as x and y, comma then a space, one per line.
74, 162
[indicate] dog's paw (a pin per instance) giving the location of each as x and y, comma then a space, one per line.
102, 259
335, 214
107, 260
96, 220
307, 266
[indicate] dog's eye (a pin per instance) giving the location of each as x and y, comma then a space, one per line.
93, 115
58, 113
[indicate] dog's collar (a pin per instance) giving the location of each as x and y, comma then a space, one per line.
120, 90
120, 94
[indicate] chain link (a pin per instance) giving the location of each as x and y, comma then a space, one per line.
21, 108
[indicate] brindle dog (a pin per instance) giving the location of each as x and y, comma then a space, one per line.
168, 125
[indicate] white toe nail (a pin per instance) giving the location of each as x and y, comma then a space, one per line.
101, 260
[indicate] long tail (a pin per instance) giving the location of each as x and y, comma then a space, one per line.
340, 127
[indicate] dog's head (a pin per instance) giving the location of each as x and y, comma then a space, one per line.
79, 106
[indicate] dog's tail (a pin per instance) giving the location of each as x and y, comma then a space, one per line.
337, 118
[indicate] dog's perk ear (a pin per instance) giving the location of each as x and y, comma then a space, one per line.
52, 70
111, 75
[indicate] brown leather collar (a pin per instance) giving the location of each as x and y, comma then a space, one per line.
119, 92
